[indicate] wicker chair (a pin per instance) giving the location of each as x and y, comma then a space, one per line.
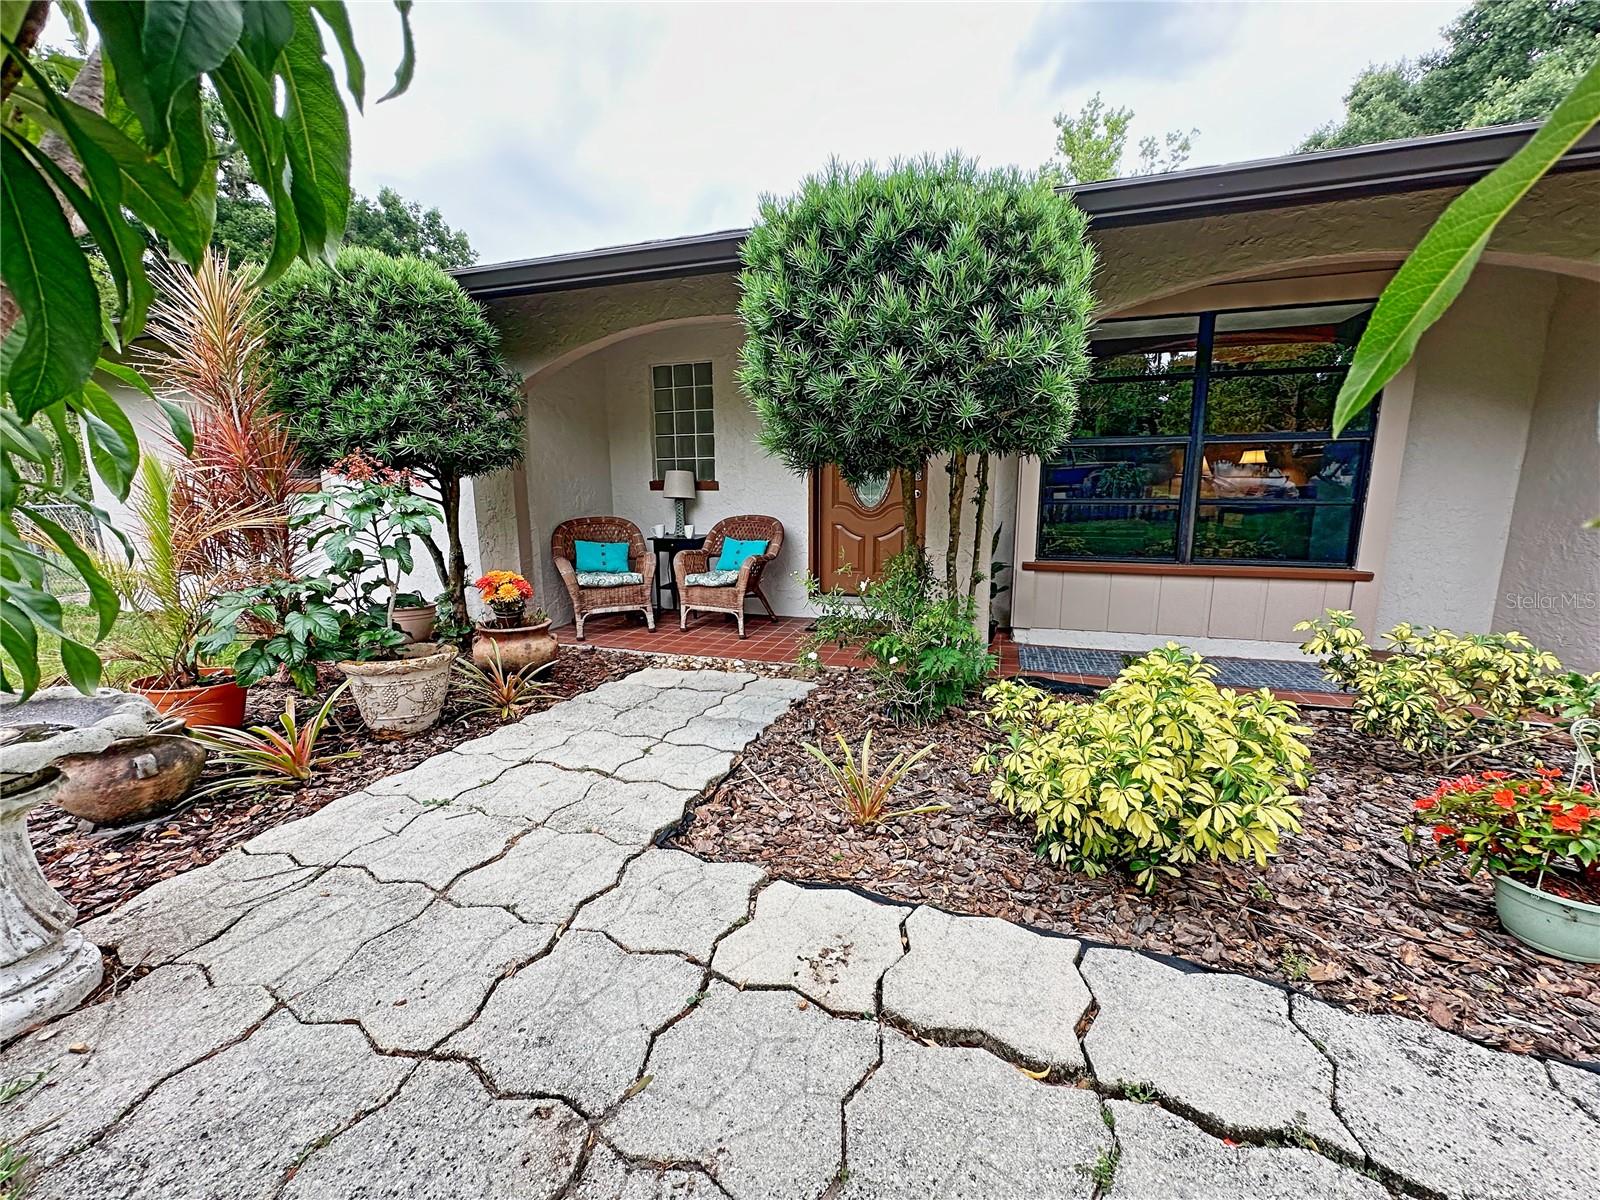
625, 597
729, 597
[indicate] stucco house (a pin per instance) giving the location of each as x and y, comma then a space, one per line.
1202, 497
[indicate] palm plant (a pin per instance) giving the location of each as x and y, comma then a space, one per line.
861, 795
494, 691
263, 757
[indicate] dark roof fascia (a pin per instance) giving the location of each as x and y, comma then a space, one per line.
1417, 164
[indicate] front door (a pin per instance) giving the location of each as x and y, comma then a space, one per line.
856, 530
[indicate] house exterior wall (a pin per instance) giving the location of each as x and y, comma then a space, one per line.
1549, 586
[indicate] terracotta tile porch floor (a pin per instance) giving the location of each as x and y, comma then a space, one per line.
778, 641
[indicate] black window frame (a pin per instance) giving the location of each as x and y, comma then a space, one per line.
1189, 501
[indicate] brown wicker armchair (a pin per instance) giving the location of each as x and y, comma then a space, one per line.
619, 597
728, 597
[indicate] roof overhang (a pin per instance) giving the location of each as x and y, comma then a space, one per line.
1418, 164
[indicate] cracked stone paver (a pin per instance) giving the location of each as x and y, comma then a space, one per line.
1453, 1116
700, 681
531, 793
519, 739
599, 750
545, 876
980, 1128
730, 734
608, 1177
672, 901
297, 940
186, 911
442, 777
1166, 1158
687, 768
265, 1103
437, 847
1018, 990
1243, 1061
631, 814
412, 987
1581, 1086
576, 1024
826, 943
338, 829
749, 1086
444, 1138
125, 1046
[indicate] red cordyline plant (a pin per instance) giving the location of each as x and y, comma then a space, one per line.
1527, 828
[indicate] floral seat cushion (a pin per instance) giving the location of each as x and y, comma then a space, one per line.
711, 578
608, 579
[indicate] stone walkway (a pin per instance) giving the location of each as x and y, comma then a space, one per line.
481, 978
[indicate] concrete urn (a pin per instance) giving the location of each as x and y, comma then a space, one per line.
46, 966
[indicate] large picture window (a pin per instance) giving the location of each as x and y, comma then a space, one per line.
1207, 438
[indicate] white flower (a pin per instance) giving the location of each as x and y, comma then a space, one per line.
812, 656
893, 660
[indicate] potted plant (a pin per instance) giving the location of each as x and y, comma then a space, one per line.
1539, 838
415, 617
513, 636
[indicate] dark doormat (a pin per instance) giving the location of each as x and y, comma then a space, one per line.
1231, 672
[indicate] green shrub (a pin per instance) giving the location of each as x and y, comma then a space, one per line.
1164, 768
925, 651
1436, 692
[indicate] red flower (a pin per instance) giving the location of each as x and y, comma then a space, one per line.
1505, 798
1461, 843
1582, 811
1440, 832
1565, 823
1548, 772
1427, 802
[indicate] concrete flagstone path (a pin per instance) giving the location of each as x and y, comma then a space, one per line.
481, 978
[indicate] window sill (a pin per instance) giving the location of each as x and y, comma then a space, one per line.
1217, 571
700, 485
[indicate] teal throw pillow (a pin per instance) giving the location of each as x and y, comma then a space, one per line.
734, 552
601, 556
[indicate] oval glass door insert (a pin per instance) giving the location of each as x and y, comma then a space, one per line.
871, 490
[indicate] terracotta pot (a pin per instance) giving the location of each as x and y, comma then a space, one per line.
405, 694
416, 623
219, 703
132, 778
521, 646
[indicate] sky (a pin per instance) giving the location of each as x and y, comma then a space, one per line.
543, 128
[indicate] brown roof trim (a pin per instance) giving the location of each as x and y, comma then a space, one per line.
1417, 164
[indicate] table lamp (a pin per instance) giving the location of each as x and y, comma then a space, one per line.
677, 486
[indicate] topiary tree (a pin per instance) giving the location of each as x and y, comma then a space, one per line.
933, 308
390, 356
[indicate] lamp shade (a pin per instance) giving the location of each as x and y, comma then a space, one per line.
1254, 458
678, 485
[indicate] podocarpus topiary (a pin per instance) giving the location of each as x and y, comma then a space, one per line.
390, 357
1163, 769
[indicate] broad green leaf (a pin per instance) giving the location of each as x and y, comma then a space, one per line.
177, 415
337, 20
113, 444
102, 596
48, 277
1432, 277
82, 665
260, 134
20, 640
121, 27
317, 136
181, 40
408, 53
71, 448
192, 147
268, 26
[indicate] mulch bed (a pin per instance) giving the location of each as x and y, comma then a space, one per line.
1339, 914
99, 868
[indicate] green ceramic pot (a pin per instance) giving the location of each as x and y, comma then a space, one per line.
1568, 929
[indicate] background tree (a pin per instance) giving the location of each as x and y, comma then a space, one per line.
1503, 61
929, 309
391, 357
127, 137
1090, 145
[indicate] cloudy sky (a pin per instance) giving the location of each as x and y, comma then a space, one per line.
541, 128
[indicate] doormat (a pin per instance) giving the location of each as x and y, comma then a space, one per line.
1231, 672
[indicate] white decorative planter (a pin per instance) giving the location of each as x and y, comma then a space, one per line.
46, 966
405, 694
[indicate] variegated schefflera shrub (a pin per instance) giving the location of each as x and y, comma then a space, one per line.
1162, 770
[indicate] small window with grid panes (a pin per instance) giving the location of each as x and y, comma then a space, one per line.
685, 439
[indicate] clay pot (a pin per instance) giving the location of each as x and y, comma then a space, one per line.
218, 703
404, 694
132, 778
521, 646
416, 623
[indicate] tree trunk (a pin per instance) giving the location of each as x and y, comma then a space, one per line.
908, 510
981, 504
28, 31
958, 491
456, 567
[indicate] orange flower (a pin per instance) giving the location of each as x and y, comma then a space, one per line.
1440, 832
1427, 802
1565, 823
1505, 798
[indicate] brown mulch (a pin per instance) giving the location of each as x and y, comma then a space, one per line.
99, 868
1339, 914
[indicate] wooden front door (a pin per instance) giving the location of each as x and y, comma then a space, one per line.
853, 533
